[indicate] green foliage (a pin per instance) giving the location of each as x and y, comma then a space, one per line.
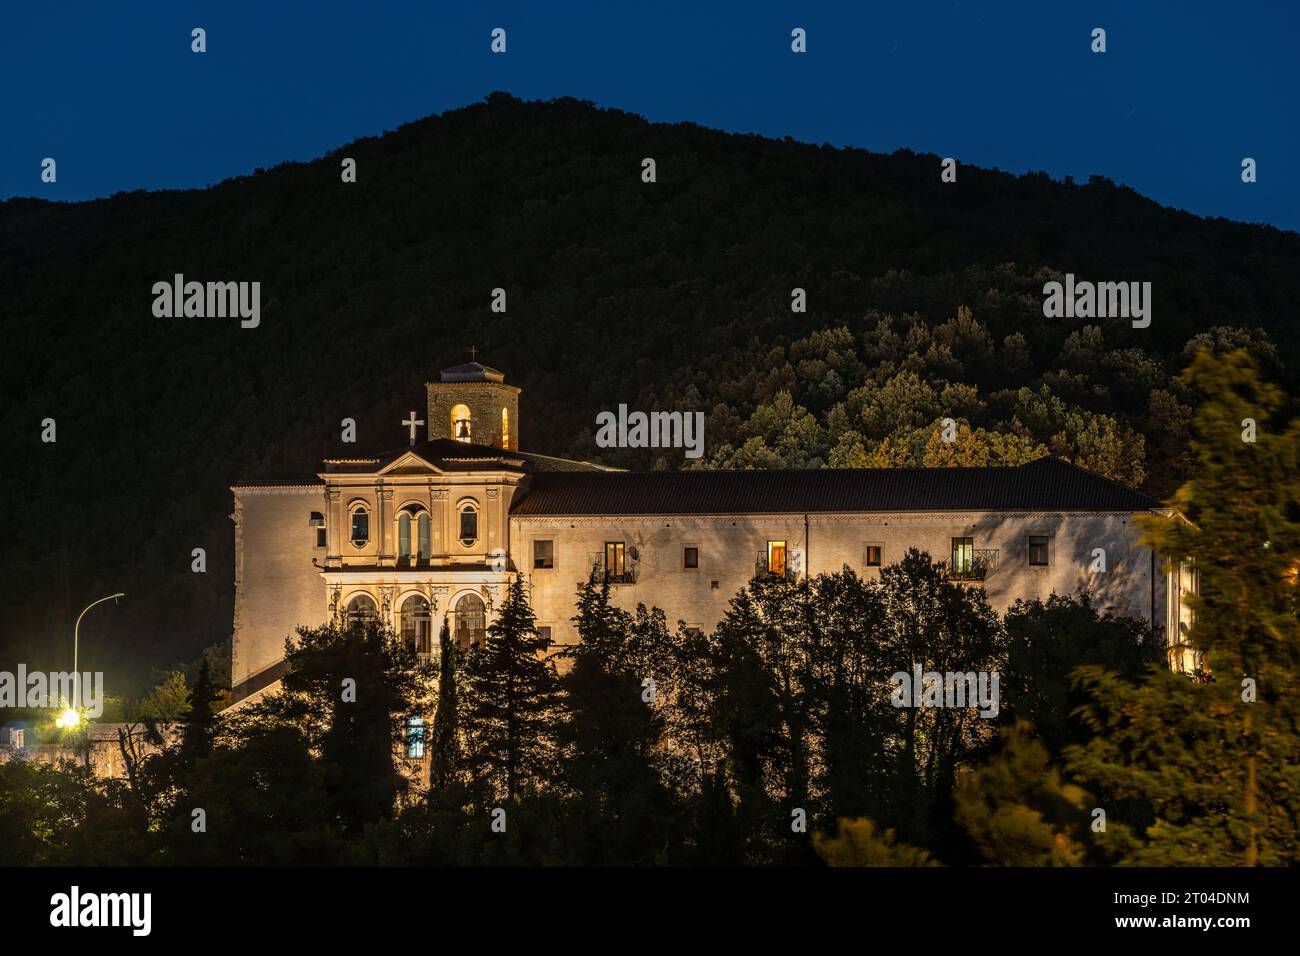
1019, 812
858, 842
1047, 640
1215, 760
509, 703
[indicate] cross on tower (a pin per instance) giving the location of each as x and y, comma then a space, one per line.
473, 353
411, 424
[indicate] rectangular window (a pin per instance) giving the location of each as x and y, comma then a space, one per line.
415, 738
776, 557
963, 555
690, 557
543, 554
1038, 544
615, 558
873, 555
544, 632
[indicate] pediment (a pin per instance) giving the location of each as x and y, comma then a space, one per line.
409, 463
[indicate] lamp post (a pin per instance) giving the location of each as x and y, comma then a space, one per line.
76, 630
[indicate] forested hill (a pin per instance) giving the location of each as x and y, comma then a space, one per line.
924, 301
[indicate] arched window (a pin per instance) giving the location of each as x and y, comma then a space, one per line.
460, 426
468, 523
417, 624
361, 610
360, 526
404, 535
471, 621
413, 534
423, 527
505, 428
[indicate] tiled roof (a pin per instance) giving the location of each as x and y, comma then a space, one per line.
1047, 484
451, 455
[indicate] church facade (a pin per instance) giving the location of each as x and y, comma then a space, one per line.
436, 529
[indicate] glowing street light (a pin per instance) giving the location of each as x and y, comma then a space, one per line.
76, 674
68, 719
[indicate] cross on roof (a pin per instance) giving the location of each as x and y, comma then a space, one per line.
411, 423
473, 353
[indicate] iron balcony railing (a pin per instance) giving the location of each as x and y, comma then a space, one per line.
613, 575
762, 567
977, 568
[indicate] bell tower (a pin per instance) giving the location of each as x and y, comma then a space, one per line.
473, 403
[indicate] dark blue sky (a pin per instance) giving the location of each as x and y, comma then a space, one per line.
1183, 93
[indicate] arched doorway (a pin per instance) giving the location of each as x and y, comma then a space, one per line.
361, 610
416, 621
470, 621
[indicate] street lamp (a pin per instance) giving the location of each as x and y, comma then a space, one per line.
65, 719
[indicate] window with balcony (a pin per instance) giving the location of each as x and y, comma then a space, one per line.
776, 557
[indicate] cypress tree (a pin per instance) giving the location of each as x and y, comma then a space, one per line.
511, 696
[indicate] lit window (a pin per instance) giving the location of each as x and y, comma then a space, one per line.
404, 535
471, 621
415, 738
963, 555
423, 525
776, 557
468, 523
543, 554
360, 527
690, 557
460, 425
1038, 550
873, 555
361, 610
615, 558
417, 632
505, 428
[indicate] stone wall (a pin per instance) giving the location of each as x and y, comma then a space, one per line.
729, 548
485, 401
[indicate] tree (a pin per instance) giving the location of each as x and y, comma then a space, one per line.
350, 690
612, 732
935, 625
859, 842
1215, 760
1020, 812
444, 743
1047, 641
510, 703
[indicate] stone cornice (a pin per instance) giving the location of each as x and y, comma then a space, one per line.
287, 489
859, 518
